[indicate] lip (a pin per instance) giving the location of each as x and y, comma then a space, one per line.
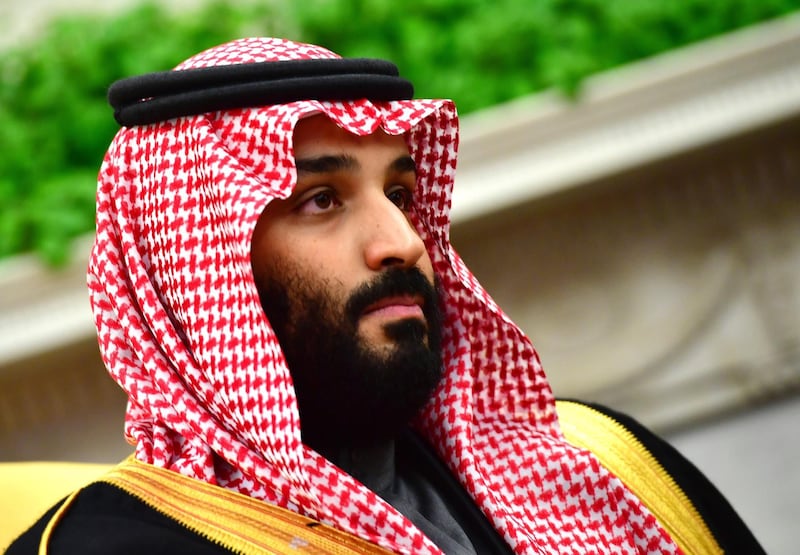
403, 306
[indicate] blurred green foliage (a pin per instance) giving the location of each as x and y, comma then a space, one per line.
55, 124
483, 52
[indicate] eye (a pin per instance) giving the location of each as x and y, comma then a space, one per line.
401, 197
318, 202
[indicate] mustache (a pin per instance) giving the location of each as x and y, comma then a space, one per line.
391, 283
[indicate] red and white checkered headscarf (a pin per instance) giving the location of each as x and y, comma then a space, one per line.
181, 329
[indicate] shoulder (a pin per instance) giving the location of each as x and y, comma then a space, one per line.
104, 519
630, 450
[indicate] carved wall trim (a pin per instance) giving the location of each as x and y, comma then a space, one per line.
671, 291
61, 404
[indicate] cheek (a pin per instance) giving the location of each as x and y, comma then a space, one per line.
426, 266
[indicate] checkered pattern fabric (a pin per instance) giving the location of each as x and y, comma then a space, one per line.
182, 331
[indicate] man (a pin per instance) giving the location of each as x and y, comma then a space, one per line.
310, 366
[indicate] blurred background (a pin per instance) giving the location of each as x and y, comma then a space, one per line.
628, 191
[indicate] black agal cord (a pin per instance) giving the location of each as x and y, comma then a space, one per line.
163, 95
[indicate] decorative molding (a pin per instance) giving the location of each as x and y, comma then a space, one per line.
43, 309
669, 292
61, 404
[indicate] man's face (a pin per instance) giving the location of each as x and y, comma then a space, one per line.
348, 286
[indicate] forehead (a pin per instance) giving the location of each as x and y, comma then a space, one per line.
317, 135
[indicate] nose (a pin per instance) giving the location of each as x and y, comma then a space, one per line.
389, 238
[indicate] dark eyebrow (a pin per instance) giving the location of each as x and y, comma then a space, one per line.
404, 164
326, 164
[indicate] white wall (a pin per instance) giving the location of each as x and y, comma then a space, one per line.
20, 19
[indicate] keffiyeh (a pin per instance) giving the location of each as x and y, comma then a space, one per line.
182, 330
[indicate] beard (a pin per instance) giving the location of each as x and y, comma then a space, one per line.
350, 393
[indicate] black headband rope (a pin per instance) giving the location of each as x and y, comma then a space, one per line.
163, 95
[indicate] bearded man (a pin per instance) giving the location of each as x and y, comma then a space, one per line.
310, 366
